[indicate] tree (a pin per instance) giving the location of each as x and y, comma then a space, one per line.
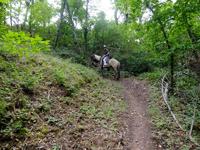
63, 4
156, 11
85, 28
3, 5
71, 23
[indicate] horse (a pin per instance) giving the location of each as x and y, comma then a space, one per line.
113, 63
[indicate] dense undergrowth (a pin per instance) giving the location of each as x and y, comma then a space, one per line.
183, 103
51, 103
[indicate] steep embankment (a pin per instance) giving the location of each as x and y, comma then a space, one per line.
50, 103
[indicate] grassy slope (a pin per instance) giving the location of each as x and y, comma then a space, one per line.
165, 132
52, 103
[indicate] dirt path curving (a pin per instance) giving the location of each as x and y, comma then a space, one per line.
138, 129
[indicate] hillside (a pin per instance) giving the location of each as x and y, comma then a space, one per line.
51, 103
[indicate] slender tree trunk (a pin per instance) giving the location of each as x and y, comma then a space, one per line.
126, 13
171, 55
26, 14
115, 13
11, 18
30, 25
71, 23
86, 27
169, 49
60, 24
18, 14
30, 19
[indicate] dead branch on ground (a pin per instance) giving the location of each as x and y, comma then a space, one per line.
191, 127
164, 90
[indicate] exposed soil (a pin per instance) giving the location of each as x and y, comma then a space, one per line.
136, 120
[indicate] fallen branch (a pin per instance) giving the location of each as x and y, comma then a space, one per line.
164, 90
192, 124
191, 128
48, 96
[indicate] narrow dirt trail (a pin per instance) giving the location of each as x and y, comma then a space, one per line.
138, 129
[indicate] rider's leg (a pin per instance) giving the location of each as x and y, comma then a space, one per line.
104, 61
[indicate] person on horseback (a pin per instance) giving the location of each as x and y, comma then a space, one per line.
106, 57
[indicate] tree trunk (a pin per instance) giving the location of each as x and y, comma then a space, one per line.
18, 15
30, 19
115, 13
169, 49
71, 23
126, 13
86, 27
60, 24
11, 18
26, 14
171, 55
116, 18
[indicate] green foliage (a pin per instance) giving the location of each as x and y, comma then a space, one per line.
3, 4
4, 1
185, 82
3, 105
52, 120
182, 103
71, 76
154, 76
41, 13
56, 147
141, 45
22, 45
48, 93
19, 82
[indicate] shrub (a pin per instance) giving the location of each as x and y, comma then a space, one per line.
22, 45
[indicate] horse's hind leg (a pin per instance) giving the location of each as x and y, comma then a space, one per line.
102, 73
117, 73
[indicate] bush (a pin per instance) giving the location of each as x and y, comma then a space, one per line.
22, 45
135, 63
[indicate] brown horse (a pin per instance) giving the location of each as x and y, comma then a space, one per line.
113, 63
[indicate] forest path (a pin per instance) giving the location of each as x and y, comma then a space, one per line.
137, 122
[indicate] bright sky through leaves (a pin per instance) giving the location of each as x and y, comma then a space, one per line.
96, 6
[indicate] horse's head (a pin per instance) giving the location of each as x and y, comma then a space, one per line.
95, 59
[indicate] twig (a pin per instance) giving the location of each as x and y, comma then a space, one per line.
191, 128
192, 124
164, 90
48, 96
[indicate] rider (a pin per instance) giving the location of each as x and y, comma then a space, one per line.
106, 56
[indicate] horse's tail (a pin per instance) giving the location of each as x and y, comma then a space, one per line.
118, 72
